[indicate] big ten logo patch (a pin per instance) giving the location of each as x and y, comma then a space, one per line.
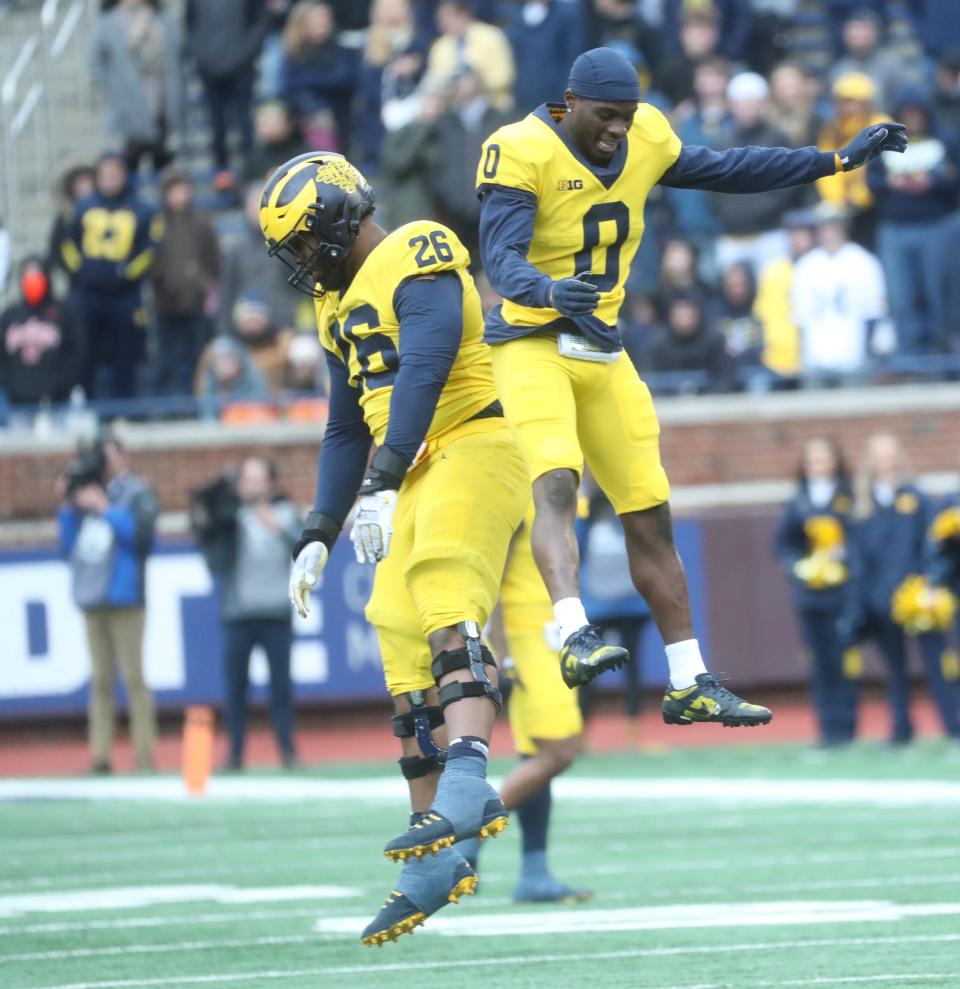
566, 185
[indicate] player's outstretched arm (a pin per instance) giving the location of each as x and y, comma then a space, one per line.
430, 314
751, 169
343, 458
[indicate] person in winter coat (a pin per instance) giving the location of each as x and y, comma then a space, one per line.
41, 342
135, 62
892, 517
106, 521
184, 276
916, 203
811, 545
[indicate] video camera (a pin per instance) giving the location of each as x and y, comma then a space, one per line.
89, 467
214, 507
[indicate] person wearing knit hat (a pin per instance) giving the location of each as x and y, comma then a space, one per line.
562, 196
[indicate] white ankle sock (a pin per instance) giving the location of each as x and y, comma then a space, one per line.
570, 616
685, 663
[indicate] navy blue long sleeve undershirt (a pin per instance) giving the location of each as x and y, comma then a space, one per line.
507, 215
430, 313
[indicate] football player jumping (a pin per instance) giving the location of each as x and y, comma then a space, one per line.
562, 196
400, 320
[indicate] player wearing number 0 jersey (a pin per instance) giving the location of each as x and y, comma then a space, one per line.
400, 320
562, 196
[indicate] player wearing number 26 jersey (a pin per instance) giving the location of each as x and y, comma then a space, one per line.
400, 320
562, 198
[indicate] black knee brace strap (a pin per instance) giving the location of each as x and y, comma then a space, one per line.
473, 656
405, 725
415, 767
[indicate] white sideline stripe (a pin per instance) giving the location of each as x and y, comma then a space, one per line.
645, 952
754, 791
666, 917
137, 897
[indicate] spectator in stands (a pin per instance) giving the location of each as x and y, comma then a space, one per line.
224, 38
109, 250
947, 92
774, 307
467, 43
408, 154
752, 226
306, 369
459, 133
733, 23
266, 344
641, 327
393, 64
937, 25
701, 121
278, 139
917, 197
75, 185
811, 545
793, 103
249, 550
318, 76
853, 109
892, 518
135, 62
864, 53
739, 326
679, 268
688, 344
226, 374
243, 270
106, 521
699, 38
184, 277
546, 36
41, 343
838, 298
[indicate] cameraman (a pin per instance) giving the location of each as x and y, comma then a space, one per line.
106, 523
246, 531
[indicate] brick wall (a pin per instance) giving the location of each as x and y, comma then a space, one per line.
704, 441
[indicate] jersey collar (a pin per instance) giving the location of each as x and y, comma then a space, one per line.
605, 174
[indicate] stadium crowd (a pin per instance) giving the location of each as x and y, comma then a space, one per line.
154, 284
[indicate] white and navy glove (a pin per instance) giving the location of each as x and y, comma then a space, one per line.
310, 556
372, 529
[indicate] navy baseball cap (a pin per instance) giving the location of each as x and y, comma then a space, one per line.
604, 75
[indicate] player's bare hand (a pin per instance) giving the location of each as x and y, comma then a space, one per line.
373, 526
574, 296
305, 573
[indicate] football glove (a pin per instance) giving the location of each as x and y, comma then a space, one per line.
304, 574
871, 142
373, 527
574, 296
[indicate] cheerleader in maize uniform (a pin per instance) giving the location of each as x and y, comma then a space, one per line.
811, 545
895, 602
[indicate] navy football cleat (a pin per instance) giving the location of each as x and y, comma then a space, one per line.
431, 884
547, 889
434, 832
585, 656
707, 700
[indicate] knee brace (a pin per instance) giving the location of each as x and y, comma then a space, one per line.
415, 767
418, 722
473, 656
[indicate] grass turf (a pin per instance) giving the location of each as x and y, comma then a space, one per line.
690, 893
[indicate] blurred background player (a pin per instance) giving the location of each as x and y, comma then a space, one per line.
400, 319
811, 544
890, 540
561, 218
544, 716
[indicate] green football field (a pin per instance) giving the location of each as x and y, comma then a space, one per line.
735, 867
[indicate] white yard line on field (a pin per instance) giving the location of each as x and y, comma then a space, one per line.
749, 792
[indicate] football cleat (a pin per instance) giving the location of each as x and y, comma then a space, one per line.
401, 913
547, 889
433, 832
584, 656
707, 700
